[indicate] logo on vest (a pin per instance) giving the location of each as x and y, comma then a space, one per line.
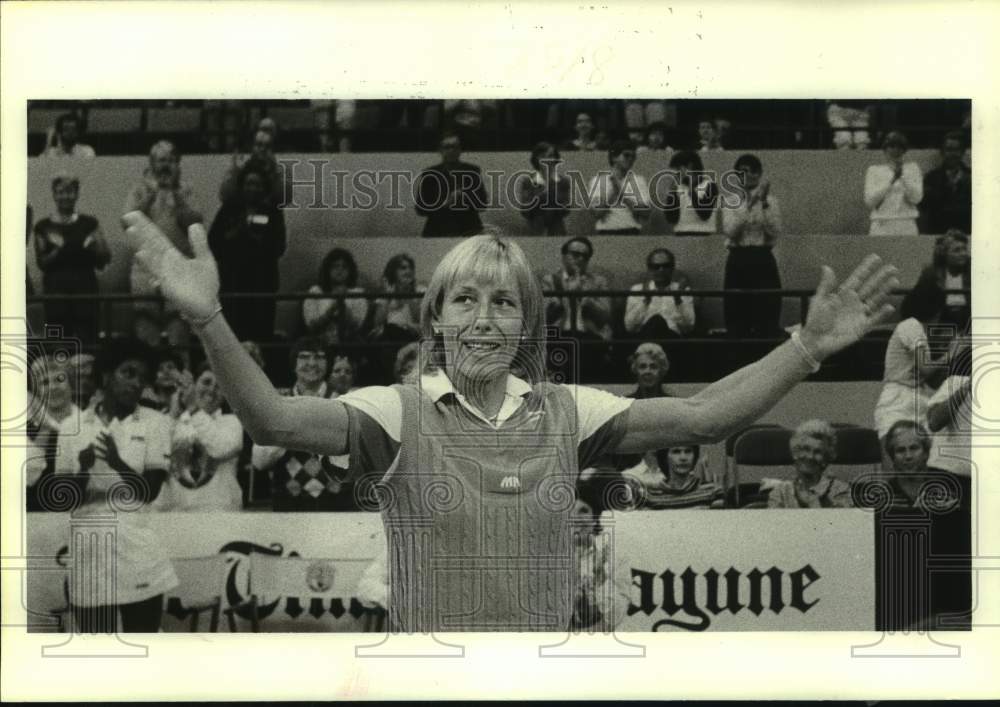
511, 484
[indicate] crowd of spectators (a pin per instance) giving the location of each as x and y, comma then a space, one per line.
488, 124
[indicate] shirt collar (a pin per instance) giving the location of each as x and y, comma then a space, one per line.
437, 384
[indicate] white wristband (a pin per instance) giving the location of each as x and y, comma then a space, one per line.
804, 352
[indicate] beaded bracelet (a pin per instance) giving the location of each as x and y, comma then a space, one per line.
804, 352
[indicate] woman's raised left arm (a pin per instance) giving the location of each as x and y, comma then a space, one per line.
838, 317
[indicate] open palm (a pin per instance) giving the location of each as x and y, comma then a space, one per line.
840, 316
190, 284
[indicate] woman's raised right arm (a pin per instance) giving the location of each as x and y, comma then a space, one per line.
309, 424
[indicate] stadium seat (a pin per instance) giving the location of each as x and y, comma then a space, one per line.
114, 120
173, 120
761, 450
858, 451
41, 119
201, 583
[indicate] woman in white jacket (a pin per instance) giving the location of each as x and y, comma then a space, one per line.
893, 190
205, 450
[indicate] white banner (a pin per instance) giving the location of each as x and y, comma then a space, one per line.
810, 570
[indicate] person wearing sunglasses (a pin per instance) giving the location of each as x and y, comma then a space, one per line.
619, 198
661, 313
587, 319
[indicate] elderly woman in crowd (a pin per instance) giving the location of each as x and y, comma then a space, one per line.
893, 190
649, 365
336, 319
814, 447
50, 403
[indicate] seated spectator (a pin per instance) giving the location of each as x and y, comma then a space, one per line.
341, 380
949, 415
336, 320
923, 495
278, 179
814, 447
544, 197
585, 315
587, 320
64, 139
692, 198
451, 194
205, 451
893, 190
398, 318
69, 248
951, 269
407, 361
50, 404
83, 377
168, 203
301, 481
708, 136
907, 446
602, 596
655, 139
170, 380
586, 138
947, 201
649, 364
849, 114
619, 199
657, 314
675, 481
247, 239
911, 375
752, 222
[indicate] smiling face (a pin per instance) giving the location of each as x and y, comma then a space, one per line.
124, 386
810, 456
907, 451
310, 368
52, 383
648, 372
584, 126
894, 153
706, 130
681, 460
481, 322
207, 393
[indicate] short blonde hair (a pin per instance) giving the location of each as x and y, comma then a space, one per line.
654, 351
820, 430
495, 258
